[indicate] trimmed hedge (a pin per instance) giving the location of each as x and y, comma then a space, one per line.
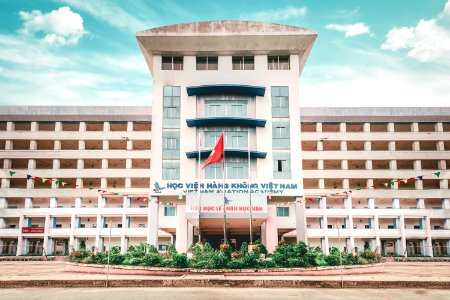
205, 257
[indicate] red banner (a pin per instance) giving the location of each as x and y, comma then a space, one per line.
32, 229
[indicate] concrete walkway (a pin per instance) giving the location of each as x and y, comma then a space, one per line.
397, 275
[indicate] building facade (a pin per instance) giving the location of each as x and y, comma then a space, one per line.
356, 177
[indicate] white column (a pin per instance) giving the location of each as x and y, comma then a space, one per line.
190, 238
3, 202
78, 202
53, 202
46, 238
28, 201
377, 233
20, 240
429, 244
403, 235
153, 216
351, 240
99, 224
72, 233
123, 241
395, 203
371, 203
420, 203
300, 221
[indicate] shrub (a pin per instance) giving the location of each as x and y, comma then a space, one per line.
349, 259
152, 249
235, 264
166, 262
250, 260
362, 261
171, 249
115, 257
266, 264
152, 259
180, 260
333, 259
244, 249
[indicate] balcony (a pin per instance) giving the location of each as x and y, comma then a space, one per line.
441, 233
315, 232
59, 232
363, 232
421, 233
85, 231
389, 232
9, 232
226, 121
228, 153
238, 89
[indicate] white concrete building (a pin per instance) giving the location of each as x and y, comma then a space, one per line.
240, 78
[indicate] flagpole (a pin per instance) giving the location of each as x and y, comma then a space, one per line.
225, 241
249, 187
199, 189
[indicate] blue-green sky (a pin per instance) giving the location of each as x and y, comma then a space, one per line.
368, 53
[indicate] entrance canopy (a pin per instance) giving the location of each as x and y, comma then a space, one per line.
209, 208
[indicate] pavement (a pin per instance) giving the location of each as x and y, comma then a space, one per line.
18, 274
221, 293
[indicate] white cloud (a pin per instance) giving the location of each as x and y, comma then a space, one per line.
350, 29
279, 14
12, 50
341, 86
60, 27
429, 40
111, 14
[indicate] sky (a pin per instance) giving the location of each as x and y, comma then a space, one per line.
368, 53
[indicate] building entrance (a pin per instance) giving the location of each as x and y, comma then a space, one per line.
235, 240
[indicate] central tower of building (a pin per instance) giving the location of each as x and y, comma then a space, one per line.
240, 78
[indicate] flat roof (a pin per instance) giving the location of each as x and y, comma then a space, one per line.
375, 114
226, 37
144, 113
75, 113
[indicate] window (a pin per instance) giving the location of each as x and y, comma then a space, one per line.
243, 62
280, 134
163, 247
390, 227
282, 165
282, 211
58, 225
233, 138
172, 63
170, 211
171, 143
280, 101
329, 226
207, 62
278, 62
171, 169
235, 168
171, 112
226, 108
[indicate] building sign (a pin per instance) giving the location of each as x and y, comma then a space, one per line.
234, 203
280, 188
32, 229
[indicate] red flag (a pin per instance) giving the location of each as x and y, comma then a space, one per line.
216, 154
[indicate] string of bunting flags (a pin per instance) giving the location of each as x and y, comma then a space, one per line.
136, 197
180, 196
